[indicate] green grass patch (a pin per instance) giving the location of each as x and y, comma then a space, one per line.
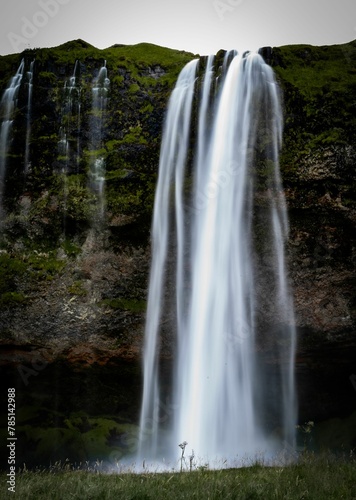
134, 88
77, 288
313, 69
44, 265
11, 270
12, 298
125, 304
313, 478
70, 248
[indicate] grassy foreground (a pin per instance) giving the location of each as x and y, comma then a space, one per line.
312, 478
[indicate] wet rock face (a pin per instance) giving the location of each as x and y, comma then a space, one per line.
97, 294
322, 260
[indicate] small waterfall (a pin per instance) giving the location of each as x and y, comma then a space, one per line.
71, 116
7, 106
63, 147
69, 133
74, 106
100, 91
28, 118
229, 55
172, 161
231, 295
63, 150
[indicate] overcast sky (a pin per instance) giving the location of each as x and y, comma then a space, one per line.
198, 26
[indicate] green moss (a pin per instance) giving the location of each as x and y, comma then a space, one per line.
147, 108
319, 88
101, 436
135, 306
12, 298
44, 265
107, 436
310, 68
52, 444
70, 248
134, 88
112, 144
126, 199
116, 174
11, 271
135, 135
117, 80
77, 200
77, 289
48, 79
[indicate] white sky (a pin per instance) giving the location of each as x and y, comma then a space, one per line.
198, 26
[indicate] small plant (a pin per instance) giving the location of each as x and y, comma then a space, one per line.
306, 428
191, 458
182, 446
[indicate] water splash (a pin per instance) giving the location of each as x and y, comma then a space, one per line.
232, 307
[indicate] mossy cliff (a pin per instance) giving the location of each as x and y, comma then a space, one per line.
73, 280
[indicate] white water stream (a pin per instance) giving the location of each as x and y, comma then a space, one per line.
224, 400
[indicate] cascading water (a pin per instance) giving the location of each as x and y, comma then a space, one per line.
100, 91
63, 150
69, 132
74, 106
71, 117
7, 106
28, 119
232, 385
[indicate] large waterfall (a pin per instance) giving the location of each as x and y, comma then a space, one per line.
218, 272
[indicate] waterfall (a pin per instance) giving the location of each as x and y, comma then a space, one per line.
100, 91
71, 121
69, 132
74, 106
7, 106
219, 249
28, 118
63, 150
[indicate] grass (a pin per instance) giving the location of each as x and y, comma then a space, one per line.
317, 70
132, 305
312, 478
